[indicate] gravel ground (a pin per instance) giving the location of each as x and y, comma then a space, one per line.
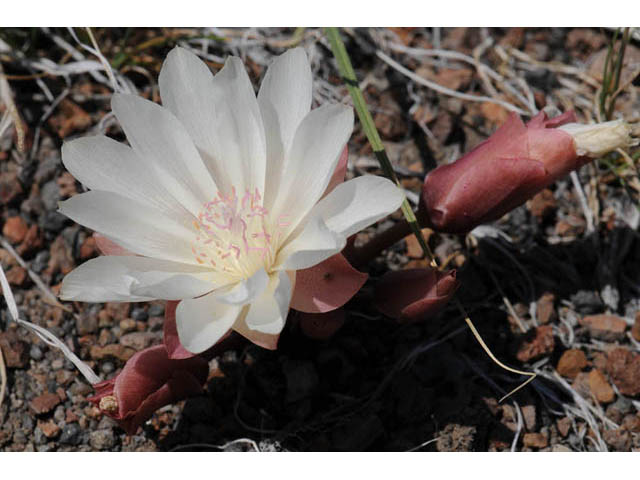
552, 287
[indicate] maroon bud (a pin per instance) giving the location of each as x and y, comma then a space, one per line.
414, 295
511, 166
149, 381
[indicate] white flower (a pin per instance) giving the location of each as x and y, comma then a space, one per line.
220, 196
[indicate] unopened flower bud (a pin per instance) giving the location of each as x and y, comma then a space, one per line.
511, 166
148, 381
414, 295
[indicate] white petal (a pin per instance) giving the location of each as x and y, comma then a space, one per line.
284, 99
315, 243
139, 228
314, 154
245, 291
268, 313
101, 163
222, 116
134, 279
157, 136
201, 322
358, 203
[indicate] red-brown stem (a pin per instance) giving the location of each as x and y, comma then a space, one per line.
360, 256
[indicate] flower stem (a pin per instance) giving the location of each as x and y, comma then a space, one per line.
369, 127
360, 256
370, 130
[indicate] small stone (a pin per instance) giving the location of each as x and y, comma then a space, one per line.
50, 194
64, 377
118, 311
605, 327
564, 425
107, 367
542, 204
69, 118
139, 340
106, 337
139, 314
57, 364
47, 169
15, 229
529, 415
40, 262
581, 384
14, 350
69, 416
53, 221
35, 353
535, 440
102, 439
618, 439
587, 301
600, 387
50, 429
632, 423
115, 350
32, 241
10, 188
127, 325
67, 185
155, 323
61, 259
545, 309
541, 344
560, 448
86, 323
70, 434
571, 363
623, 367
88, 248
156, 310
44, 403
17, 276
104, 319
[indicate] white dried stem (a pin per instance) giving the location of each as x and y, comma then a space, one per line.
44, 334
444, 90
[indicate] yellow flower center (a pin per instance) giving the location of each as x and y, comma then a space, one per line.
236, 235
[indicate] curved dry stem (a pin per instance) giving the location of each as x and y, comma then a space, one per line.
484, 346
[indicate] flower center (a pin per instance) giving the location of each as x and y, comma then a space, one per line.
236, 235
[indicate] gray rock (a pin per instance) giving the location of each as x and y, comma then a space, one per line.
156, 310
35, 353
587, 302
107, 367
41, 261
50, 194
53, 221
139, 314
70, 434
47, 169
86, 323
39, 436
102, 439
